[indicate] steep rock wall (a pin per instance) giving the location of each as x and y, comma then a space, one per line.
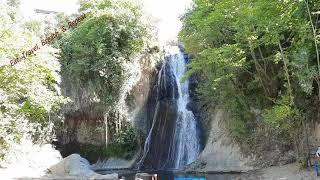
84, 129
141, 98
220, 153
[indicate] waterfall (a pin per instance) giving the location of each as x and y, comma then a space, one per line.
186, 136
173, 139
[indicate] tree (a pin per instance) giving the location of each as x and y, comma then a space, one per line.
255, 58
28, 91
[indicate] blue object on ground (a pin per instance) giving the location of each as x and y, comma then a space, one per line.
193, 178
316, 172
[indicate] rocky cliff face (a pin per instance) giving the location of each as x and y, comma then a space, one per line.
220, 153
159, 154
83, 130
88, 126
141, 98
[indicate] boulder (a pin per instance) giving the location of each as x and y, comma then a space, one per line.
76, 166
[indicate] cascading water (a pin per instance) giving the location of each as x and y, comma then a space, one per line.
186, 140
173, 140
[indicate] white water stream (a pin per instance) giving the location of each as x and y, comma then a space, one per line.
173, 140
187, 145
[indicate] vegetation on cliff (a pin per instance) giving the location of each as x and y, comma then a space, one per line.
97, 50
95, 54
259, 60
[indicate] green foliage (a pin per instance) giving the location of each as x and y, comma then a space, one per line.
125, 144
280, 114
256, 59
88, 151
98, 49
33, 112
95, 53
28, 90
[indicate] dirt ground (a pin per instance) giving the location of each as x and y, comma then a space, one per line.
286, 172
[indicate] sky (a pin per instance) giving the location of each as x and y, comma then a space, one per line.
166, 12
67, 6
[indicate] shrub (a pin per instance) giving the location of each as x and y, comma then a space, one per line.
125, 144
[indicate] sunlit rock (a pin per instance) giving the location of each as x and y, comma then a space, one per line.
75, 165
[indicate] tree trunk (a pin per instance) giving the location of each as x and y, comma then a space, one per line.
314, 32
106, 131
286, 73
259, 70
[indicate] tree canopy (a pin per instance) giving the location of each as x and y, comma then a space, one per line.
28, 90
94, 53
98, 49
258, 59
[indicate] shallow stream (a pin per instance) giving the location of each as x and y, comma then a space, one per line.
167, 175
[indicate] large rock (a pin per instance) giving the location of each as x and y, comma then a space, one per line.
83, 130
220, 153
75, 165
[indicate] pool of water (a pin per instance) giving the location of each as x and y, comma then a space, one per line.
164, 175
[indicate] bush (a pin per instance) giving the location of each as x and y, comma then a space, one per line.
28, 90
99, 48
125, 145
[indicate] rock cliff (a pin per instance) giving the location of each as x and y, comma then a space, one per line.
89, 126
220, 153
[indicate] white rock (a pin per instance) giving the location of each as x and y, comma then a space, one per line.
75, 165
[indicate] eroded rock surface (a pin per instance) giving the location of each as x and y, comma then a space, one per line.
220, 153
